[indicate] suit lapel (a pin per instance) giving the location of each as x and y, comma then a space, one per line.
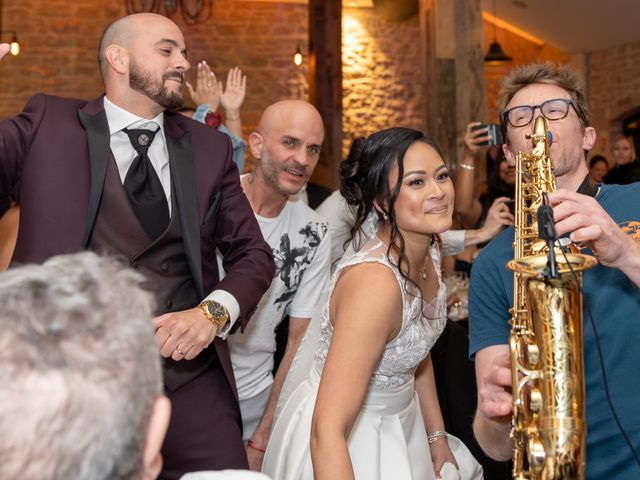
184, 181
94, 121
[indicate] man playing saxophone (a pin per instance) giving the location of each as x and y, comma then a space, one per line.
604, 221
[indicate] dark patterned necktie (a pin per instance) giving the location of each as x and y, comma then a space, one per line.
143, 187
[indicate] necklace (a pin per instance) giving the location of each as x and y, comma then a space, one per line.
423, 273
423, 270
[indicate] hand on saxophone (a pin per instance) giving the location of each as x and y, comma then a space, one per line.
494, 389
492, 422
590, 225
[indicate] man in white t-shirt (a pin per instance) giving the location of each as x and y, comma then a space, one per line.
286, 148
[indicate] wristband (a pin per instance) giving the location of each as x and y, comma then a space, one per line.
253, 445
466, 166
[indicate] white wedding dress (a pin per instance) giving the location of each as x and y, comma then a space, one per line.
388, 440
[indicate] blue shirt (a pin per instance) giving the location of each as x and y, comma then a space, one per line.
615, 308
238, 144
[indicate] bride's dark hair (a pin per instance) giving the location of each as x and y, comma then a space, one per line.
364, 183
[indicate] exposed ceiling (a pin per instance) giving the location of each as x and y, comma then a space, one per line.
573, 25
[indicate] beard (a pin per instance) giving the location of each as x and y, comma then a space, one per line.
271, 170
142, 82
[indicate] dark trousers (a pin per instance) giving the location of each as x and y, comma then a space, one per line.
205, 430
457, 394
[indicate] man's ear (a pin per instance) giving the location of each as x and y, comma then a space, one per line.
117, 58
508, 154
256, 142
589, 138
158, 423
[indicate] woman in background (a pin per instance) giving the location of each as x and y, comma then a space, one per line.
627, 166
598, 168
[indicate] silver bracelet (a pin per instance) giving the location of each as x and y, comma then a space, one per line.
434, 436
466, 166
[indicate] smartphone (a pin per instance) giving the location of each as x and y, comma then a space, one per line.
511, 204
493, 130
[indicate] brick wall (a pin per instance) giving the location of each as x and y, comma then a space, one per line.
381, 72
614, 91
59, 49
59, 42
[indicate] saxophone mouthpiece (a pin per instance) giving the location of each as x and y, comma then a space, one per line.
550, 137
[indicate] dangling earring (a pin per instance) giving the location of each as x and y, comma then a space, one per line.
385, 216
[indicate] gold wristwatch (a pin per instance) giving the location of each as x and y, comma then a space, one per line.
216, 313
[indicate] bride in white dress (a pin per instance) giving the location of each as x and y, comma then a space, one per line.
368, 408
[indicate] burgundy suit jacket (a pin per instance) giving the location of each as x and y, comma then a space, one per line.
53, 159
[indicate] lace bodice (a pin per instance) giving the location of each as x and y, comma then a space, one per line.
418, 333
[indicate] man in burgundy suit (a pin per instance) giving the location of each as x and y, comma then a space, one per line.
123, 174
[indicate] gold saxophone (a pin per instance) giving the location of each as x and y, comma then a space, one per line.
548, 424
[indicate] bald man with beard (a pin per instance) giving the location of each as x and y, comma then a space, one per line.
126, 175
286, 148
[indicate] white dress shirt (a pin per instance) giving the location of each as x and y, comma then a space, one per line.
124, 153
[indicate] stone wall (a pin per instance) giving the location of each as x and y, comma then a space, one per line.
382, 78
382, 74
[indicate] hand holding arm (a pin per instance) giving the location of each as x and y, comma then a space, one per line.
590, 224
232, 99
4, 49
207, 90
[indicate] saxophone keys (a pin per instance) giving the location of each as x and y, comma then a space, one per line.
535, 400
532, 355
535, 455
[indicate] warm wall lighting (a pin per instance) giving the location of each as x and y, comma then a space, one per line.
15, 46
297, 57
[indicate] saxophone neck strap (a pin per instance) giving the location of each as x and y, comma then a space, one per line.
588, 187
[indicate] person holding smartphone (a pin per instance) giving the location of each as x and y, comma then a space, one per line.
495, 205
472, 210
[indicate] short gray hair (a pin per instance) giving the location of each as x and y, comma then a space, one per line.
80, 370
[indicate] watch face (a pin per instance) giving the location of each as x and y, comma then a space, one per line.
216, 309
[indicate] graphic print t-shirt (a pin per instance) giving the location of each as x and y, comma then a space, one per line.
301, 250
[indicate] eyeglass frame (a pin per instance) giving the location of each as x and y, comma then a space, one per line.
567, 101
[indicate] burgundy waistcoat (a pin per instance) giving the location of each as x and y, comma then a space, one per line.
117, 231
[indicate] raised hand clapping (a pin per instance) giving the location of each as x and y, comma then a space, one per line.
234, 92
4, 49
207, 89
